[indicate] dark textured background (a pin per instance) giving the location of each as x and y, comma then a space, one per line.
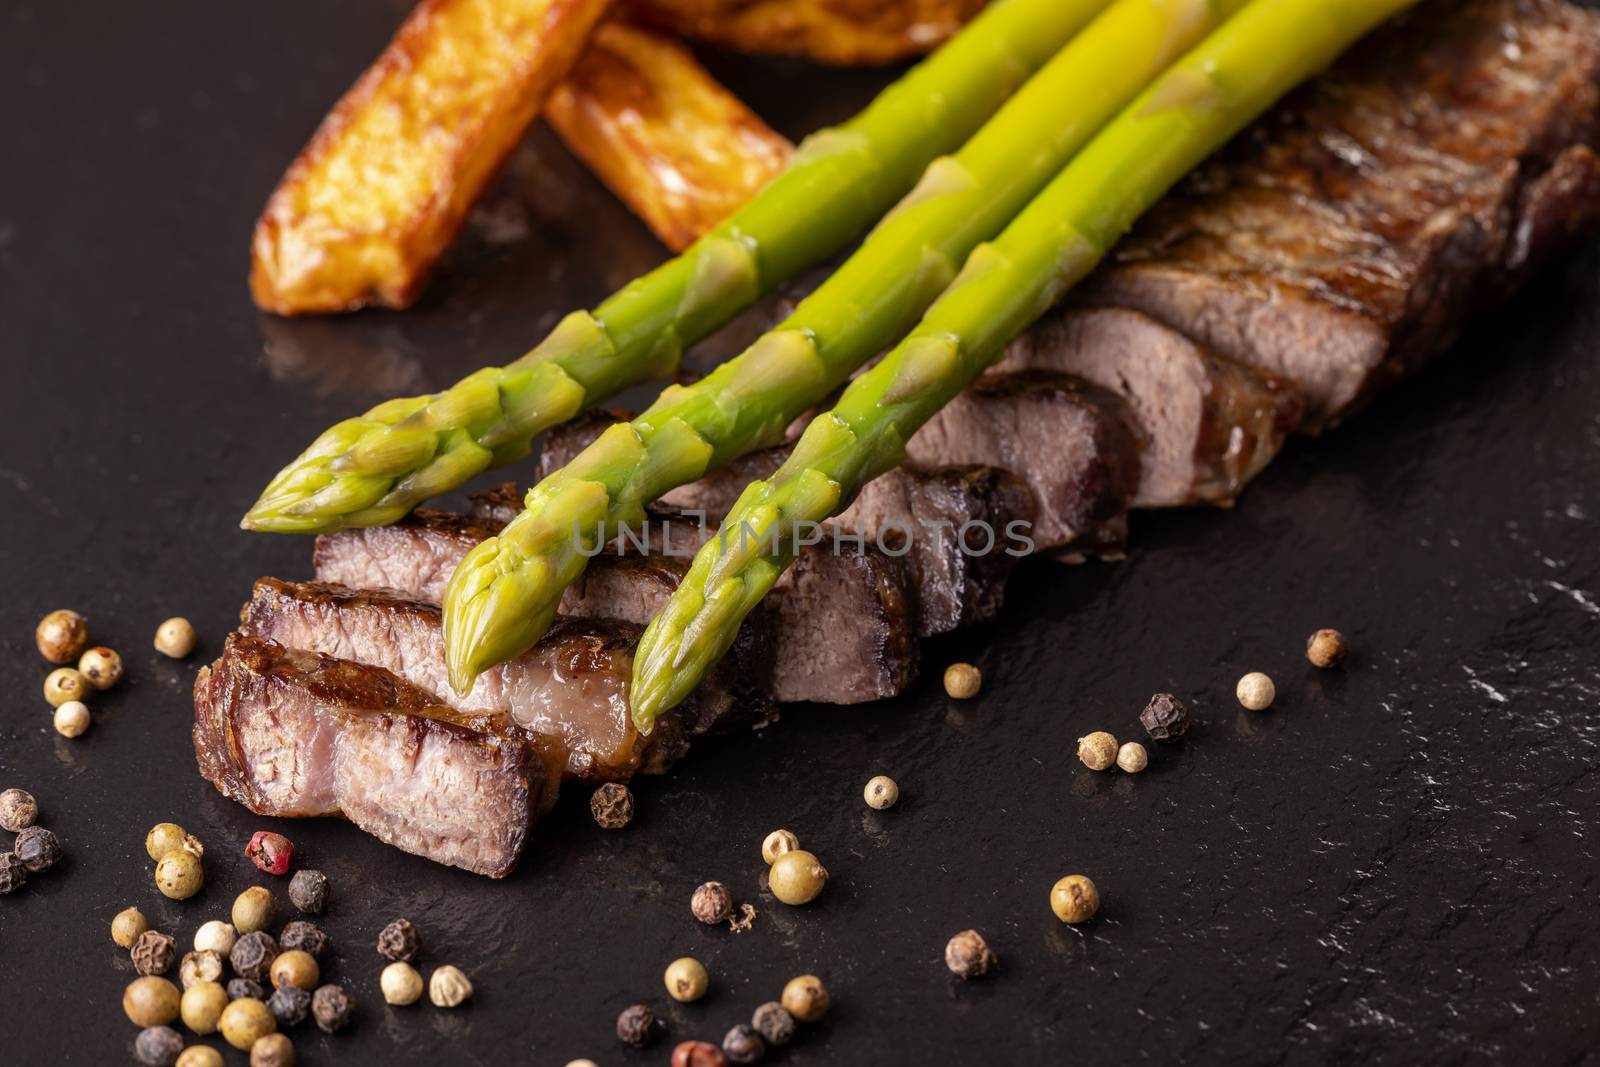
1397, 864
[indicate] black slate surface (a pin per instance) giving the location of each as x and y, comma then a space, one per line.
1395, 865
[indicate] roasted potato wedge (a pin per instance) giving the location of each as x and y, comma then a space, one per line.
841, 32
680, 150
387, 179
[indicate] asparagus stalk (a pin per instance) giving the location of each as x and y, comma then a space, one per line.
505, 592
1199, 103
373, 469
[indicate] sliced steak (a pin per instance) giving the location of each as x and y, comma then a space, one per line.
293, 733
415, 556
571, 688
714, 495
1210, 423
1341, 239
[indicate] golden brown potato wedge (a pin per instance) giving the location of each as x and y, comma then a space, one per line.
386, 181
841, 32
680, 150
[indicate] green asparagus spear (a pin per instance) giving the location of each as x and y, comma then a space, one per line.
1222, 85
375, 468
505, 592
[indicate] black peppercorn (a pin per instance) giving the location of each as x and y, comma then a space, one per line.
157, 1046
289, 1005
253, 954
1165, 718
305, 936
308, 891
153, 952
398, 941
612, 806
246, 989
638, 1026
332, 1007
13, 875
774, 1023
743, 1045
38, 849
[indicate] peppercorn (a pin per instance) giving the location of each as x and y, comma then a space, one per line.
18, 810
253, 954
202, 1005
308, 891
1326, 648
61, 636
1132, 757
180, 874
743, 1044
331, 1007
215, 936
1098, 750
448, 987
240, 988
968, 955
638, 1026
612, 806
252, 910
244, 1022
157, 1046
400, 984
101, 667
72, 719
398, 941
962, 681
1255, 691
175, 638
806, 998
37, 848
289, 1005
1165, 718
166, 838
797, 877
303, 936
199, 1056
686, 979
270, 852
774, 1023
150, 1001
297, 968
881, 792
712, 903
1074, 899
272, 1050
127, 925
64, 684
698, 1054
776, 844
582, 1063
13, 875
153, 953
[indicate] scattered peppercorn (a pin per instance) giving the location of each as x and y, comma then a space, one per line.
774, 1023
166, 838
400, 984
806, 998
698, 1054
448, 987
712, 903
252, 910
180, 874
1165, 718
150, 1001
1074, 899
272, 1050
797, 877
776, 844
215, 936
253, 954
1326, 648
72, 719
37, 848
743, 1044
61, 636
308, 891
289, 1005
239, 988
157, 1046
331, 1007
398, 941
297, 968
881, 792
962, 681
1132, 757
582, 1063
686, 979
175, 638
638, 1026
126, 927
270, 852
1098, 750
1256, 691
303, 936
18, 810
612, 806
202, 1005
199, 1056
968, 955
64, 684
153, 953
13, 875
244, 1022
101, 667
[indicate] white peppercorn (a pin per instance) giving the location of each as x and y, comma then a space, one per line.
400, 983
881, 792
215, 936
72, 719
175, 638
962, 681
1132, 757
448, 987
1256, 691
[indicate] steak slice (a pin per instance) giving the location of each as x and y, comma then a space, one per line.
570, 689
1211, 423
1341, 239
293, 733
415, 556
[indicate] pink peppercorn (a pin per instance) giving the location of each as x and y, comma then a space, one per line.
698, 1054
270, 852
